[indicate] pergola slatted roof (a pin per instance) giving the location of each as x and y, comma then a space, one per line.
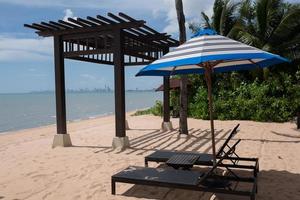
92, 39
127, 23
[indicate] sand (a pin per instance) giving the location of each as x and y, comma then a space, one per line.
31, 169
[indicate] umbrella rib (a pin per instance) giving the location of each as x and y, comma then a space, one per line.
250, 60
173, 70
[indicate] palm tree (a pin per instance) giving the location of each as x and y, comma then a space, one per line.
273, 26
224, 18
183, 128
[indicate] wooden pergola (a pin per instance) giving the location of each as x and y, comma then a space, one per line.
174, 84
117, 40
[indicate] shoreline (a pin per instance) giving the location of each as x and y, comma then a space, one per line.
68, 122
129, 114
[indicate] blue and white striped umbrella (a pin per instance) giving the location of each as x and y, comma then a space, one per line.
221, 53
206, 53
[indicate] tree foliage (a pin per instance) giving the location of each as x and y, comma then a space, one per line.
262, 95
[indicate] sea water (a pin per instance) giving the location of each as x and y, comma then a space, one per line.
20, 111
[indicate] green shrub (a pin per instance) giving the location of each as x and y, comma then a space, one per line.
237, 97
275, 99
155, 110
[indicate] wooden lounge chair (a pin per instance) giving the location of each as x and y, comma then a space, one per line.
190, 180
207, 159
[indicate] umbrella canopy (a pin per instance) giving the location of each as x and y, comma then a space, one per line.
206, 53
223, 53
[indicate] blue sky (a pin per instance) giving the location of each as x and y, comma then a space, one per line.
26, 61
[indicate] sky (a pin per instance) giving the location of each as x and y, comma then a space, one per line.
26, 60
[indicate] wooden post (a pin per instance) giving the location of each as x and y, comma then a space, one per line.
119, 84
166, 103
208, 73
60, 86
298, 120
183, 125
166, 99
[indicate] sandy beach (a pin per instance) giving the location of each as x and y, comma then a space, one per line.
31, 169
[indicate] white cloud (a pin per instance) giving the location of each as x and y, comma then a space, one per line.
158, 9
68, 14
25, 49
192, 11
95, 4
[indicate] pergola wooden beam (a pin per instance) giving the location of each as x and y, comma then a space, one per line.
147, 27
105, 62
77, 22
50, 25
96, 20
68, 24
59, 24
89, 29
127, 23
106, 20
87, 52
87, 22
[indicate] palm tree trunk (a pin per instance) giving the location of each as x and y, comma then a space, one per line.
183, 128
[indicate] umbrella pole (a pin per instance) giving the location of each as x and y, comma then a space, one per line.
208, 73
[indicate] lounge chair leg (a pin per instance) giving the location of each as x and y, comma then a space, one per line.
146, 163
113, 187
256, 189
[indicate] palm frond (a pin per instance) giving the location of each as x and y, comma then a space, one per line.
246, 12
206, 20
228, 18
235, 30
288, 27
217, 8
194, 27
293, 42
249, 39
261, 16
269, 13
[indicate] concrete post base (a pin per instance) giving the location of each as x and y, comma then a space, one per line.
61, 140
183, 136
120, 143
166, 126
126, 125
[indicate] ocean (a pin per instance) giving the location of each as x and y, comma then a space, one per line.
21, 111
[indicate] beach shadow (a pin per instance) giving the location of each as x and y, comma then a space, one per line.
101, 148
272, 184
162, 140
285, 135
165, 140
91, 147
270, 141
144, 129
